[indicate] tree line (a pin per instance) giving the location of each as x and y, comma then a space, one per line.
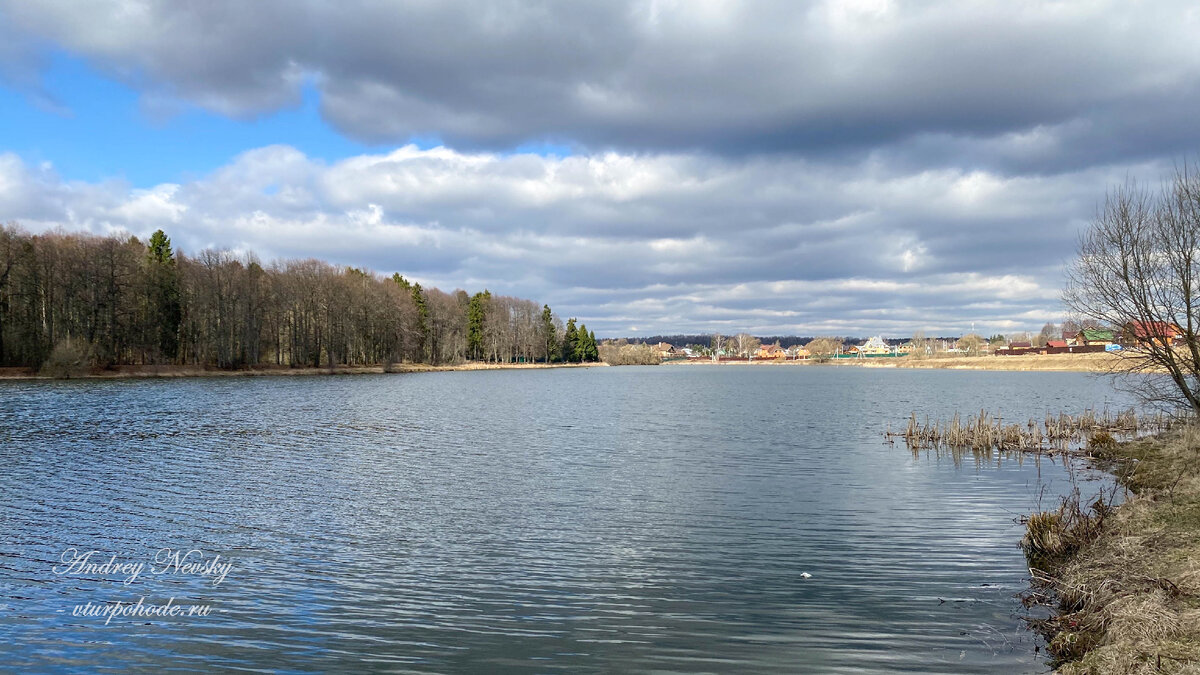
120, 301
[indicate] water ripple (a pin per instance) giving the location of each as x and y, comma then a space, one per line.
609, 519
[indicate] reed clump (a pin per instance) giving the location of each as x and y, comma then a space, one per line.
1056, 434
1053, 536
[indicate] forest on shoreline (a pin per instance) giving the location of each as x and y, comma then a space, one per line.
70, 300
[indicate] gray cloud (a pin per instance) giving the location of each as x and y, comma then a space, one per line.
855, 166
1024, 84
666, 242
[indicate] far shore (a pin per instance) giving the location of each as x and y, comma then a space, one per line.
1094, 363
135, 372
1090, 363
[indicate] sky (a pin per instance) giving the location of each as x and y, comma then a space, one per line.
849, 167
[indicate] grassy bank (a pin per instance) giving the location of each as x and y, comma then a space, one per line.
192, 371
1102, 362
1125, 582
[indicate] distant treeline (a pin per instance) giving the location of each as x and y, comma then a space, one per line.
784, 341
120, 301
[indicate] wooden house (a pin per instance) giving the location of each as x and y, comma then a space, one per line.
770, 352
1147, 334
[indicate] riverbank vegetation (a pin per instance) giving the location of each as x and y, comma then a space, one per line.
1055, 434
70, 302
1119, 571
1102, 362
1125, 582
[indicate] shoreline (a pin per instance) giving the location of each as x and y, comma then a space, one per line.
1124, 582
1089, 363
147, 372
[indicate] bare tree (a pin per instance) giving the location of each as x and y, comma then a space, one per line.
107, 293
1049, 332
822, 349
8, 259
718, 343
1138, 269
920, 345
972, 344
745, 343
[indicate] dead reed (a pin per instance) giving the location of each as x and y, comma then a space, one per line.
1061, 434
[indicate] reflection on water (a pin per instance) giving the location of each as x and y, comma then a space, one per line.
602, 519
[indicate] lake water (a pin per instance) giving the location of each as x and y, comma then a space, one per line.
631, 519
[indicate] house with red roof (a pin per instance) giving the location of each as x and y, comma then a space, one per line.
1147, 334
770, 352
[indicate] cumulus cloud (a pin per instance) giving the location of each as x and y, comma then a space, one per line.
840, 166
664, 242
1015, 84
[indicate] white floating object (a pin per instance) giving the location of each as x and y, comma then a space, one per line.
805, 575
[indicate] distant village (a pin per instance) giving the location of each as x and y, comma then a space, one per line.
1068, 338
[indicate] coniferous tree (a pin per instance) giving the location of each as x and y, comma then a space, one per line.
568, 343
549, 334
165, 305
593, 349
423, 334
476, 315
581, 345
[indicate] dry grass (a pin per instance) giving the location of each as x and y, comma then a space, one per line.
1099, 363
1126, 584
1090, 433
1052, 537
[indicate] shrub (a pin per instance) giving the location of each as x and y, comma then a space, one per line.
1102, 441
71, 357
629, 355
1051, 537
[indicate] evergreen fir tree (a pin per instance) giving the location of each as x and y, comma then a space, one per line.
422, 320
476, 313
549, 334
165, 301
581, 344
568, 345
